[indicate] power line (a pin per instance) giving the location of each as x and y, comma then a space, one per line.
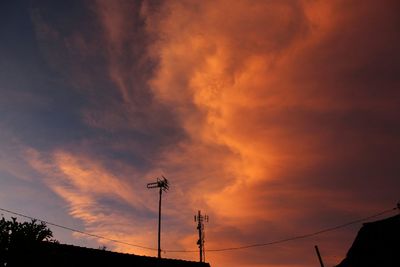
295, 237
77, 231
307, 235
218, 249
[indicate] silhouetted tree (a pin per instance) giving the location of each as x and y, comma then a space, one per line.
19, 240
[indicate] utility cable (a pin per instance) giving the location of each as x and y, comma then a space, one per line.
217, 249
294, 237
306, 235
77, 231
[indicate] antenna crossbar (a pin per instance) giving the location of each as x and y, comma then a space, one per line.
163, 184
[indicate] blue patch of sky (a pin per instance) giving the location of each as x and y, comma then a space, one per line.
149, 147
126, 209
52, 115
32, 199
67, 16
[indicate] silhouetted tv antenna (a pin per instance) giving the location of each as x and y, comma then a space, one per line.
200, 219
164, 186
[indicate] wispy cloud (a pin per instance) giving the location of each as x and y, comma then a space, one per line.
276, 118
106, 204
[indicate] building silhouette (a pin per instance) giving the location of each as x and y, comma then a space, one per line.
46, 254
377, 245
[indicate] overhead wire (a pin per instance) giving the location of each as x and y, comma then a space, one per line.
279, 241
306, 235
294, 237
76, 230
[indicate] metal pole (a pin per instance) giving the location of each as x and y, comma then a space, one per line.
162, 185
159, 225
319, 256
199, 227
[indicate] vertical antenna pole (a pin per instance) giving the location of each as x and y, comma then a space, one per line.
163, 185
159, 225
200, 227
319, 256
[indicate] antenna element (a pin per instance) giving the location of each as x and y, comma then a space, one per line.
163, 184
200, 219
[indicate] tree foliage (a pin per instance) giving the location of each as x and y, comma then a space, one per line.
20, 238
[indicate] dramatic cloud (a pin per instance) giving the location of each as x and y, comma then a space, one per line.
276, 118
301, 115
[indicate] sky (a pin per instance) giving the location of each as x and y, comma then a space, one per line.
275, 118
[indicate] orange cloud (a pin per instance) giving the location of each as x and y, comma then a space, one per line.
262, 113
264, 81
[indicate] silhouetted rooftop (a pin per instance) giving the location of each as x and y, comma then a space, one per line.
377, 245
60, 255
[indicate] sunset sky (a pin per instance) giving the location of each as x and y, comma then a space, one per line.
275, 118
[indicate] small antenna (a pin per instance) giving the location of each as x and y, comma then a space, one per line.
200, 219
163, 184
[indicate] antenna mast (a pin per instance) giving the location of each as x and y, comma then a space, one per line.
163, 184
200, 219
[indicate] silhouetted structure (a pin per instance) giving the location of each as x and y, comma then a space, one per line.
200, 219
163, 185
377, 245
319, 256
46, 254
